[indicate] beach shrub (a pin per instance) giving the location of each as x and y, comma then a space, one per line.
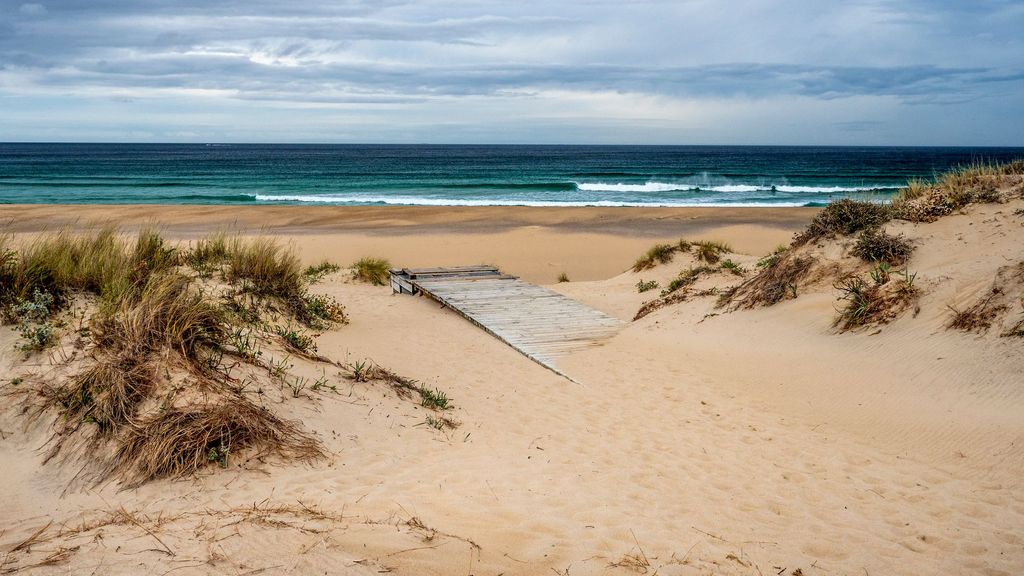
643, 286
844, 217
877, 246
33, 322
319, 311
296, 339
376, 271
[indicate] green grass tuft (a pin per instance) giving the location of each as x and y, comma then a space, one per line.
316, 272
709, 251
376, 271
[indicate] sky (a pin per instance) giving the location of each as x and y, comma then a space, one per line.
806, 72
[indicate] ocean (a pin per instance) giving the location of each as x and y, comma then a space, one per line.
467, 175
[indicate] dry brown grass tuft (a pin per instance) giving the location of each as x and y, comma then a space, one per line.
871, 303
778, 280
660, 254
993, 304
166, 312
673, 298
178, 441
155, 400
980, 315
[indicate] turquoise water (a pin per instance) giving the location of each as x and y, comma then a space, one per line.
470, 175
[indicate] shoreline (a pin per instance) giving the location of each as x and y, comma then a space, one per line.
537, 244
198, 218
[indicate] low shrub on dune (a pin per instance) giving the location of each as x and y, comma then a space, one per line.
844, 217
877, 246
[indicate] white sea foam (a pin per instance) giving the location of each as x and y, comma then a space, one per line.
418, 201
727, 188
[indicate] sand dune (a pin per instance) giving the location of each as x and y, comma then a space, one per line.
752, 442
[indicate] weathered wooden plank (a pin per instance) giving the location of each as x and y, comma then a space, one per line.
538, 322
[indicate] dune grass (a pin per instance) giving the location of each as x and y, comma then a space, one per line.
709, 251
925, 201
265, 268
375, 271
154, 388
316, 272
657, 254
706, 251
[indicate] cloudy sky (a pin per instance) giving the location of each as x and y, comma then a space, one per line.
912, 72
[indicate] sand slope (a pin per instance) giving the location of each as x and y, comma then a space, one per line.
756, 442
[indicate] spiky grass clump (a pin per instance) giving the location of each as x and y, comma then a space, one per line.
777, 281
657, 254
871, 303
376, 271
709, 251
733, 268
267, 268
844, 217
563, 277
166, 313
877, 246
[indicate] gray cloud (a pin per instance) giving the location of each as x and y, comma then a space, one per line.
411, 55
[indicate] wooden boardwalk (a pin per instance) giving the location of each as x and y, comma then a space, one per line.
542, 324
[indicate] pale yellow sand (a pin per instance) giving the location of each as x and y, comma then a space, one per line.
758, 442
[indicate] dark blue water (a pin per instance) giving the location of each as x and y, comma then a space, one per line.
468, 175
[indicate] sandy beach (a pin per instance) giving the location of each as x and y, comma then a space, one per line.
695, 441
537, 244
